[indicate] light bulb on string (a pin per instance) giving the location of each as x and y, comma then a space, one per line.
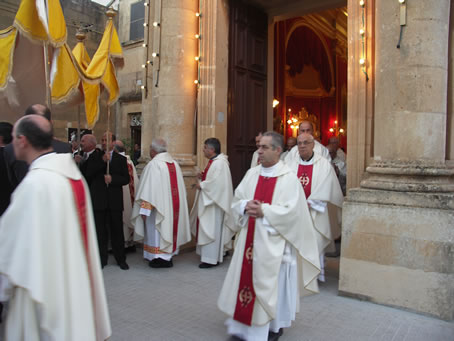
197, 58
156, 24
197, 36
362, 61
154, 54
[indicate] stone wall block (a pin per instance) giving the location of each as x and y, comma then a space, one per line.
400, 256
410, 135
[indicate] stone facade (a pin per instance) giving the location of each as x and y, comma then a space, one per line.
398, 220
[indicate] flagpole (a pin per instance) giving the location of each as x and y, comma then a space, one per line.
47, 72
108, 135
110, 14
80, 36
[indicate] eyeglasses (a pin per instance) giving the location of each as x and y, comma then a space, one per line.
305, 143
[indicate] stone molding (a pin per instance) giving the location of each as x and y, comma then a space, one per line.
413, 176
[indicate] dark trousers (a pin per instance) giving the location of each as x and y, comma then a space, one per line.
112, 220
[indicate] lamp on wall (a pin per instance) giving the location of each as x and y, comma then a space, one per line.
336, 130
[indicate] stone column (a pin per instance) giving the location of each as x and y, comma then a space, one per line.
169, 107
212, 96
398, 228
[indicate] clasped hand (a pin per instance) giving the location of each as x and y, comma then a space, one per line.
254, 209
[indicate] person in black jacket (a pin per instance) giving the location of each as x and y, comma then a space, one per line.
18, 169
106, 194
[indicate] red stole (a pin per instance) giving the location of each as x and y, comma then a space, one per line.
246, 293
175, 201
204, 176
305, 177
131, 182
81, 206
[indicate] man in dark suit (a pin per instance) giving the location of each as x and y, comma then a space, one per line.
106, 194
6, 189
18, 169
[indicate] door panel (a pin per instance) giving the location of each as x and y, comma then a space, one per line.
247, 84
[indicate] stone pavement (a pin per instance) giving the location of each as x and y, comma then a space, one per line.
180, 304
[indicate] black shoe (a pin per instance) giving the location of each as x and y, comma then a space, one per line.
123, 266
160, 263
130, 249
275, 336
207, 265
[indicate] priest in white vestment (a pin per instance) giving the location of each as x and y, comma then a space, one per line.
160, 212
306, 127
276, 257
49, 260
291, 142
128, 196
210, 215
338, 160
323, 193
255, 156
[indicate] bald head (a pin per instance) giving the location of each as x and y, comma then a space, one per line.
38, 109
306, 127
32, 137
119, 146
88, 143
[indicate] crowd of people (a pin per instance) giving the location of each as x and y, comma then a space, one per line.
62, 211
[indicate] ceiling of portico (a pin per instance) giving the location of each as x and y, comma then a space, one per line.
284, 9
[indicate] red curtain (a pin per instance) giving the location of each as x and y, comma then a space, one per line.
305, 48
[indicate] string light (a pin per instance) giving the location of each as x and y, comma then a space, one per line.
143, 87
199, 38
362, 32
145, 4
401, 1
156, 24
144, 45
154, 54
145, 24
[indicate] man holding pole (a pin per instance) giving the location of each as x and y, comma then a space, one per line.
108, 173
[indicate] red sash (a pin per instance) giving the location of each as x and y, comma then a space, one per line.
305, 177
204, 176
175, 201
131, 182
246, 293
